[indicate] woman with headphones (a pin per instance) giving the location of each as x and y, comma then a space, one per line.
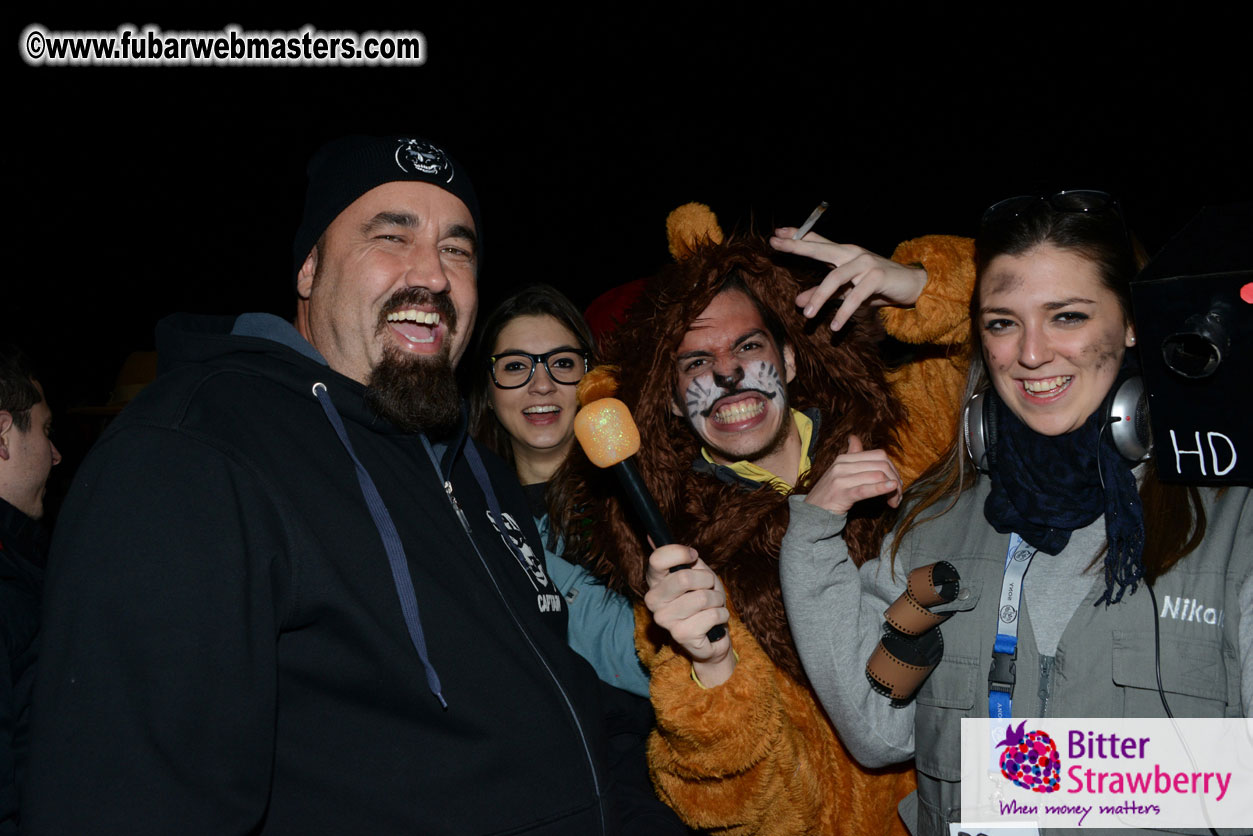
1060, 556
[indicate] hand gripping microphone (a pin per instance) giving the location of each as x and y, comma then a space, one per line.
609, 437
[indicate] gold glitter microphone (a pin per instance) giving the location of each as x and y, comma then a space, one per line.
608, 435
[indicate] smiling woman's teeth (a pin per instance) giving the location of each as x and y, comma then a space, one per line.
1047, 385
536, 410
741, 411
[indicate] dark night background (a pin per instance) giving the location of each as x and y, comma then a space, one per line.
139, 191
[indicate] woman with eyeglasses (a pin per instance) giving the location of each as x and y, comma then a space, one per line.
533, 350
1068, 550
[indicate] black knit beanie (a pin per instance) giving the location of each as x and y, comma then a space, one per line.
346, 168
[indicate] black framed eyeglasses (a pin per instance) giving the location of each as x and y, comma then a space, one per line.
515, 369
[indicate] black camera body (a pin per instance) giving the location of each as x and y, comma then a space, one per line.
1194, 324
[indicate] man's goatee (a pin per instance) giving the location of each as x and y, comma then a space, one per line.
417, 395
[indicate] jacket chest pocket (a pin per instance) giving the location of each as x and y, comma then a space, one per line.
1194, 675
947, 696
950, 691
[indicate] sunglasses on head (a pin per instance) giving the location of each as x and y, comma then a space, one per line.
1088, 201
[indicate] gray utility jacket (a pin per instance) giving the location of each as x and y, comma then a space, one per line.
1104, 665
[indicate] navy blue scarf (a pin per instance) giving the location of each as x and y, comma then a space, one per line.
1045, 487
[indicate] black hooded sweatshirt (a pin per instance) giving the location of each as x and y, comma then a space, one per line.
23, 549
224, 648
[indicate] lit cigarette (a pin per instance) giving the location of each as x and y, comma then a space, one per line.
810, 221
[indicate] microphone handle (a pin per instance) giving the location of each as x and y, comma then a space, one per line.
642, 501
655, 524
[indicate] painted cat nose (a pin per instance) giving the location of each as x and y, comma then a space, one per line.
730, 380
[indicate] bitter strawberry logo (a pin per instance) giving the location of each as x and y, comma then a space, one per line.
1030, 760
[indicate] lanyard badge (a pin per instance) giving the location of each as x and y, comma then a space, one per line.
1005, 650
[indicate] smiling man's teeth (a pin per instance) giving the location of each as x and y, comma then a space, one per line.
420, 317
1048, 384
535, 410
741, 411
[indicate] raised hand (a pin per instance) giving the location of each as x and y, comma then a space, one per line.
857, 277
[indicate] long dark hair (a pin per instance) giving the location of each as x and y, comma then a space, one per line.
1174, 518
532, 300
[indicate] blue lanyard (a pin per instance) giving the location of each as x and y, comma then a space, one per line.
1008, 609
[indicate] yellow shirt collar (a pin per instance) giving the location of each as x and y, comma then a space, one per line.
756, 473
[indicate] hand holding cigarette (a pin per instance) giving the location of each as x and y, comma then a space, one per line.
810, 221
857, 277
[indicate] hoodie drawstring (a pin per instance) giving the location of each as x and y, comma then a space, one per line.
391, 544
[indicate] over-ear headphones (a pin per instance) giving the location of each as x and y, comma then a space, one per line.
1126, 411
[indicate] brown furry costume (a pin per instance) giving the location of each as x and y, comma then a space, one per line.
756, 755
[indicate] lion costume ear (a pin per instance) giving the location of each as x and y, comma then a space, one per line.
689, 226
600, 382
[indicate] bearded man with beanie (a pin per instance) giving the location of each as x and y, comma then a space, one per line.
288, 594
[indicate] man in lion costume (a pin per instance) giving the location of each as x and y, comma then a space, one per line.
741, 400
